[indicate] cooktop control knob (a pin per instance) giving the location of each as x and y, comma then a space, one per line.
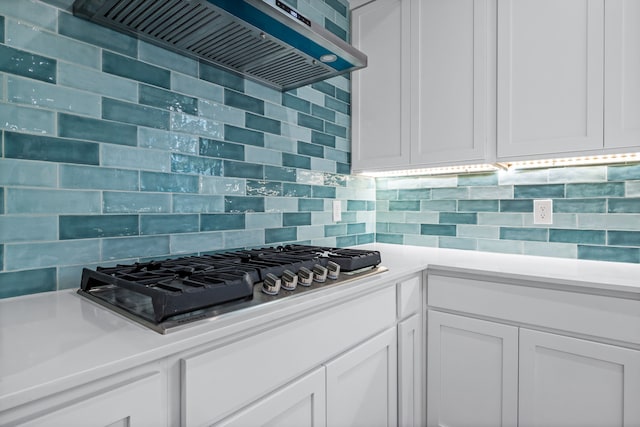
305, 276
289, 280
319, 273
271, 284
333, 270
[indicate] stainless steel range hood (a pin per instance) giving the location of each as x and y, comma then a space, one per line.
264, 40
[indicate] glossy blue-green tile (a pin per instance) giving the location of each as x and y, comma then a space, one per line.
478, 205
96, 82
35, 147
32, 201
125, 157
168, 182
218, 222
182, 163
285, 234
243, 204
25, 256
33, 12
243, 170
80, 29
363, 239
133, 69
196, 125
322, 192
608, 189
622, 238
33, 39
264, 188
93, 226
337, 105
358, 228
26, 228
55, 97
359, 205
371, 205
386, 194
263, 220
438, 229
263, 156
310, 122
312, 150
516, 205
335, 29
1, 201
348, 217
222, 149
538, 191
290, 219
344, 168
167, 100
344, 241
244, 136
243, 102
70, 126
588, 237
15, 61
382, 227
310, 205
478, 180
609, 253
276, 173
221, 77
335, 179
437, 205
167, 59
628, 205
457, 243
517, 233
335, 230
167, 141
168, 224
458, 218
89, 177
296, 161
134, 247
390, 238
325, 88
14, 172
335, 130
296, 190
452, 193
1, 29
135, 202
623, 173
323, 139
291, 101
27, 282
414, 194
25, 119
190, 203
404, 205
336, 155
579, 205
323, 113
135, 114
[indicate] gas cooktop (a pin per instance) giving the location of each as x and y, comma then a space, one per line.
164, 295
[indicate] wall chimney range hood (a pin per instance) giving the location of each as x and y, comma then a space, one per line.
263, 40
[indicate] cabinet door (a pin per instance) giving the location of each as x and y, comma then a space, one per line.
362, 384
299, 404
550, 77
137, 404
622, 74
452, 41
380, 92
410, 372
571, 382
472, 371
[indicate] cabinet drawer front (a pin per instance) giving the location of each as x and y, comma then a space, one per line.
595, 315
218, 382
409, 301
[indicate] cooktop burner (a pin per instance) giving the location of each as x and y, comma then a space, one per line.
165, 294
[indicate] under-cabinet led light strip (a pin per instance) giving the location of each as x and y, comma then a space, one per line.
603, 159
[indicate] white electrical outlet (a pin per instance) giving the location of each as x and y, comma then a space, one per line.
543, 211
337, 210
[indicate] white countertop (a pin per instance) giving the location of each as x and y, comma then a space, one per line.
55, 340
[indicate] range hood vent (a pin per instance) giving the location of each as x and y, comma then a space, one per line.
264, 40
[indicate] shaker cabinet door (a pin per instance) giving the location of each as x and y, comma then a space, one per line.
572, 382
550, 77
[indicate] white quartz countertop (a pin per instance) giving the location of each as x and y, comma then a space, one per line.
57, 340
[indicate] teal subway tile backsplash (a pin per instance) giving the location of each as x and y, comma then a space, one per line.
133, 69
23, 63
36, 147
169, 224
72, 126
92, 226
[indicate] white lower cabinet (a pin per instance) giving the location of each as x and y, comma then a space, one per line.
472, 372
410, 372
137, 403
567, 381
362, 384
299, 404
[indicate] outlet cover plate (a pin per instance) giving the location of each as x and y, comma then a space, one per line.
543, 211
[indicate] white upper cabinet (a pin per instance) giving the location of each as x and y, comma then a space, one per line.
380, 92
452, 84
622, 74
550, 77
